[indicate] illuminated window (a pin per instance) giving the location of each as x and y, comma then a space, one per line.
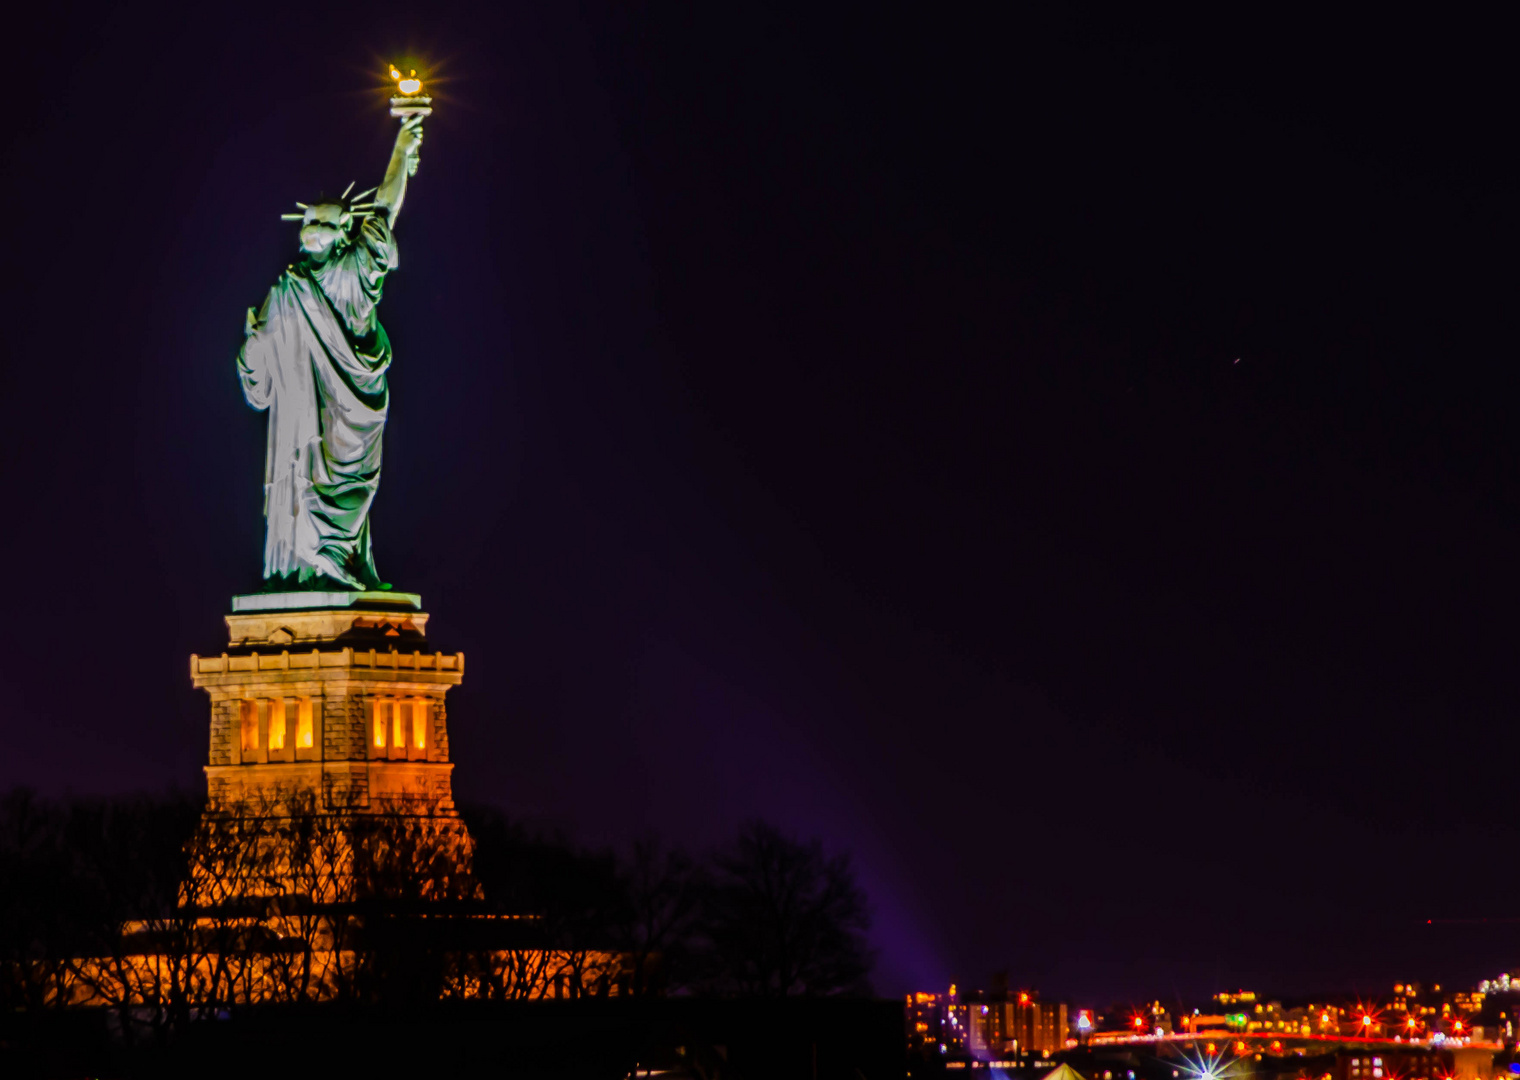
380, 724
303, 723
277, 724
248, 717
419, 725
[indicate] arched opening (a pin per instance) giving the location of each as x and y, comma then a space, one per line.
276, 708
305, 736
248, 726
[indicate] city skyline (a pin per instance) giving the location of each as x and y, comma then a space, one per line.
1415, 1031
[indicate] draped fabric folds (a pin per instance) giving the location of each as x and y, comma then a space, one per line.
316, 358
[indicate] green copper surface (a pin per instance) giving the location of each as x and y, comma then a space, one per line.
315, 356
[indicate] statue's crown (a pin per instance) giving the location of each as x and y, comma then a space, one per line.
338, 212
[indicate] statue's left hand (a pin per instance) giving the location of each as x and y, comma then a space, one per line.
409, 138
409, 142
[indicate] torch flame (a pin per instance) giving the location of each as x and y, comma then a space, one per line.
408, 84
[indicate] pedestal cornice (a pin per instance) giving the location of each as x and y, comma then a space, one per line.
345, 664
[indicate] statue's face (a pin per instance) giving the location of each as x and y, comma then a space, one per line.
324, 227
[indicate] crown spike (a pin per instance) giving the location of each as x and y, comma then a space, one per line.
292, 217
347, 190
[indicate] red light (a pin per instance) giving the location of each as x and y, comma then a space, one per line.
1139, 1022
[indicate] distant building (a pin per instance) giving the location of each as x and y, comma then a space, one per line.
1415, 1063
985, 1025
937, 1024
1239, 997
1021, 1024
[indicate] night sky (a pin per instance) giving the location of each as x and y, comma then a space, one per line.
1066, 463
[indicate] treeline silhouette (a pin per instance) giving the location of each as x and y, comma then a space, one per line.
764, 916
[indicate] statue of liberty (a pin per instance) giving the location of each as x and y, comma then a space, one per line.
316, 357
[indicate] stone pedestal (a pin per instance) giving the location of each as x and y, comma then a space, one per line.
329, 701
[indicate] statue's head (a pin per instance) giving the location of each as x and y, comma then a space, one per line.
325, 224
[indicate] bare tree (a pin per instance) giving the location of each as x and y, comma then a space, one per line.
85, 867
782, 918
561, 908
47, 908
663, 889
276, 900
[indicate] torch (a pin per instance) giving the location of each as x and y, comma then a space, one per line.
409, 99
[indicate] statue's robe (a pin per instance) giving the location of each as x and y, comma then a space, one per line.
316, 359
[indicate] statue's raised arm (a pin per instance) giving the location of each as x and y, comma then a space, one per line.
392, 190
315, 356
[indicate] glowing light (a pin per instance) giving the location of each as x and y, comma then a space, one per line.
248, 716
277, 724
419, 725
303, 723
409, 83
1206, 1066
